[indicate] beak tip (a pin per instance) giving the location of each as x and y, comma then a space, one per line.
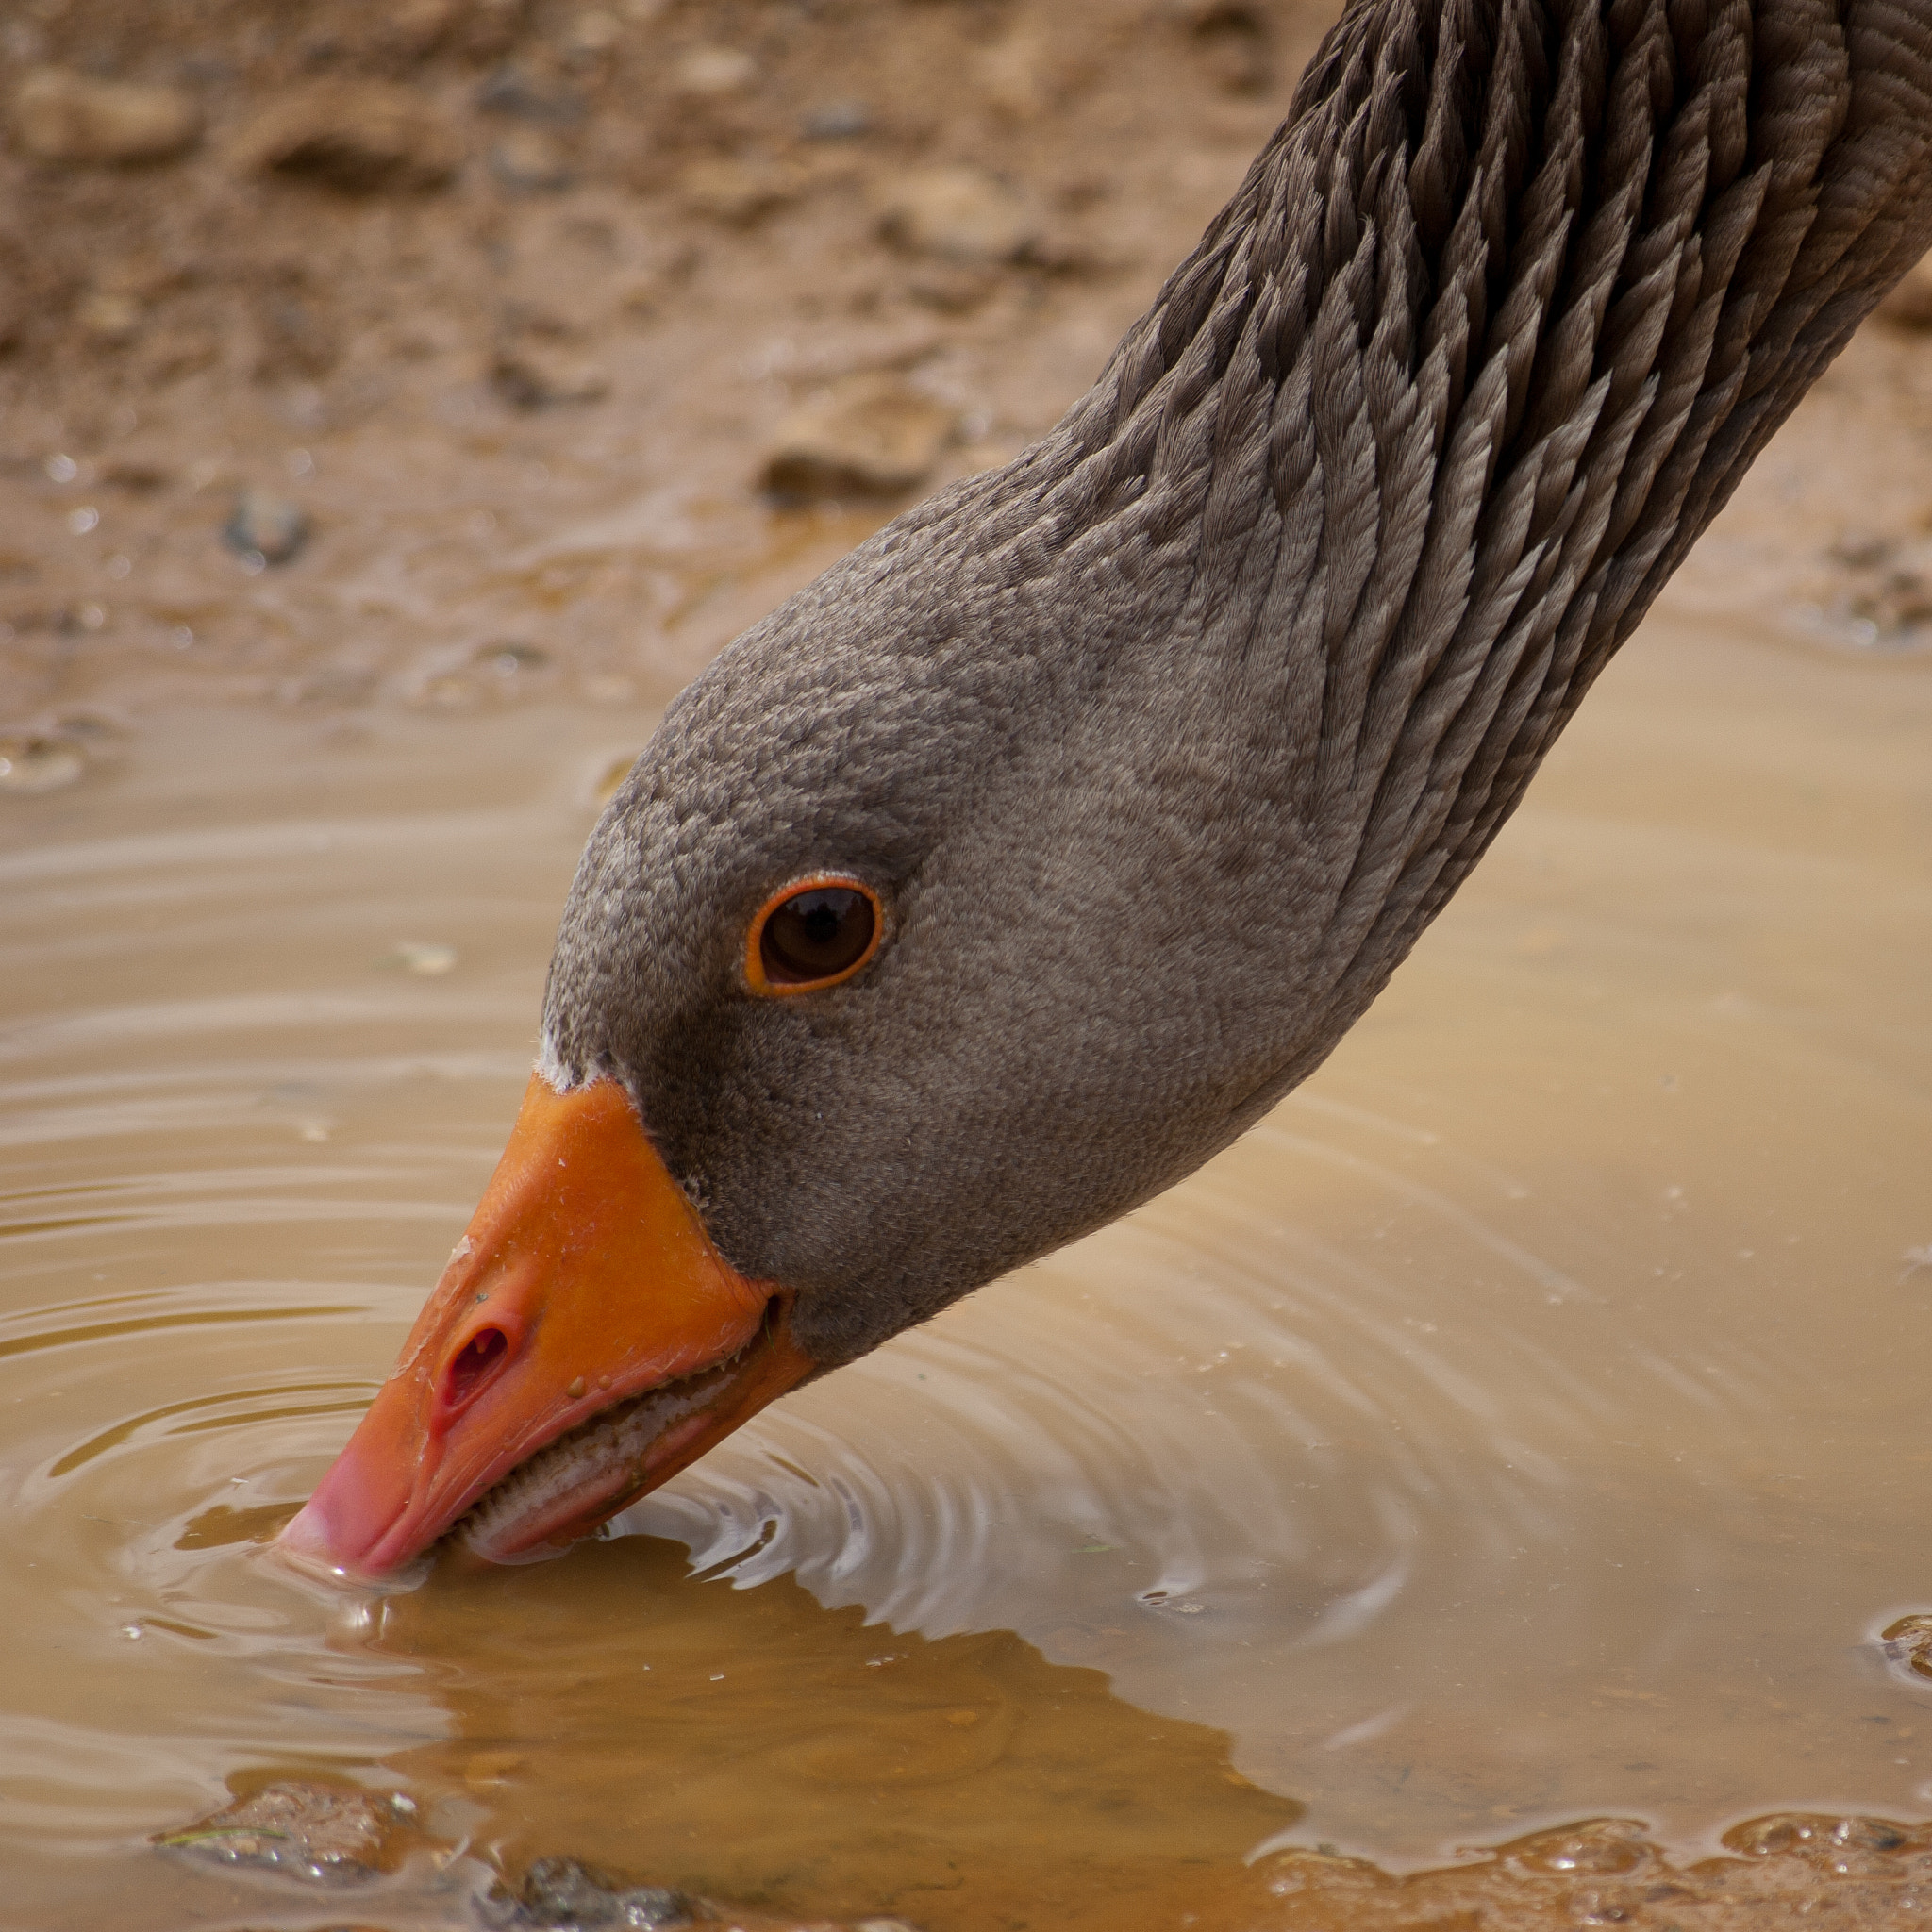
341, 1531
305, 1543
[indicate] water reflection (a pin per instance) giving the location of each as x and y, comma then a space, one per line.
751, 1744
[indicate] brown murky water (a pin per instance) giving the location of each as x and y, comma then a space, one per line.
1525, 1424
1525, 1427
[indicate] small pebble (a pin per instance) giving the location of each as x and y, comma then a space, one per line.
511, 91
424, 958
956, 214
737, 193
1908, 1644
361, 137
265, 527
562, 1894
109, 317
529, 377
712, 72
308, 1831
60, 116
527, 160
867, 436
32, 764
837, 121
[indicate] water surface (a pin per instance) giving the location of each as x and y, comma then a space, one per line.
1525, 1423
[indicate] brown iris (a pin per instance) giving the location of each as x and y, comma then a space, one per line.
815, 933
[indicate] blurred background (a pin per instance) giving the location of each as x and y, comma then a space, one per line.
440, 352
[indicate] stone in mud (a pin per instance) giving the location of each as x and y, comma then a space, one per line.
709, 74
737, 193
959, 215
1910, 304
32, 762
1601, 1846
109, 317
530, 378
363, 137
268, 528
1908, 1644
591, 37
1232, 36
846, 119
294, 335
951, 288
560, 1896
60, 116
1782, 1873
527, 160
1833, 1847
867, 436
1882, 592
320, 1833
1014, 78
411, 30
513, 92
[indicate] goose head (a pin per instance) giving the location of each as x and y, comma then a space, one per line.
1018, 864
950, 912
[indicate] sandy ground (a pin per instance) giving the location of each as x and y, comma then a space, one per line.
478, 325
514, 336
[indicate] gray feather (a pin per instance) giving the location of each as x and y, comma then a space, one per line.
1163, 745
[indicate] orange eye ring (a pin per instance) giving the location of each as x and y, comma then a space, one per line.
815, 932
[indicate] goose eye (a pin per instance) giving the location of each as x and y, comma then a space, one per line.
815, 933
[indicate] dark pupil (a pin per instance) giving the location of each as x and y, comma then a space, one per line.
816, 934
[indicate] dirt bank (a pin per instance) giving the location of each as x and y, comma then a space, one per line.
446, 351
503, 309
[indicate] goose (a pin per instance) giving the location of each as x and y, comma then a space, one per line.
1015, 866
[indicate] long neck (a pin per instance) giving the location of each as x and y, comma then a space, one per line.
1178, 729
1486, 339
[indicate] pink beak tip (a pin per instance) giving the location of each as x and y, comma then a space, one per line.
307, 1544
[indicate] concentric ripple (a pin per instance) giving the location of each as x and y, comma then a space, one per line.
1519, 1425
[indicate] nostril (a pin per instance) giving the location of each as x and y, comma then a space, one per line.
473, 1365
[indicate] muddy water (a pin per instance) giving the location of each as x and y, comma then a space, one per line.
1527, 1422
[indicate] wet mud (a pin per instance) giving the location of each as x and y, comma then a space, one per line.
1492, 1493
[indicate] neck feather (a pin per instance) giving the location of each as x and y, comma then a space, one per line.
1487, 337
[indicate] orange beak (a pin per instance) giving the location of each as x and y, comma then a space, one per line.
586, 1336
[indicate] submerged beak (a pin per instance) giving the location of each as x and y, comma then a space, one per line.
586, 1303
